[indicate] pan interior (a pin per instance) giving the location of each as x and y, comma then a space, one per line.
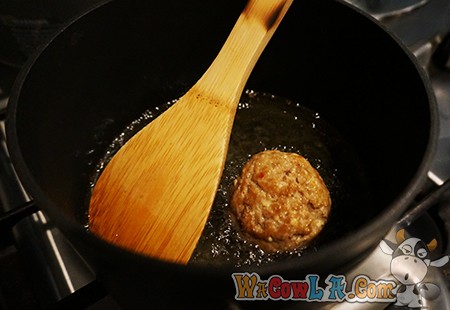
265, 122
124, 58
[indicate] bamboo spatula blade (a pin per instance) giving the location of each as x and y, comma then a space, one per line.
155, 195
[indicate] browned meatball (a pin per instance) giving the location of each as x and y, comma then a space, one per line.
280, 201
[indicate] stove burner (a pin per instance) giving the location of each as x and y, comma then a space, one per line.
387, 8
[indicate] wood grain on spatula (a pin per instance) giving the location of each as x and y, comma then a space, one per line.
155, 195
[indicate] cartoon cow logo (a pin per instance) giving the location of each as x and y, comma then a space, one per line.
409, 265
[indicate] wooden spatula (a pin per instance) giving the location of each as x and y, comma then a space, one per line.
155, 195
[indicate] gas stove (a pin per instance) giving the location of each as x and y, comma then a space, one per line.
39, 269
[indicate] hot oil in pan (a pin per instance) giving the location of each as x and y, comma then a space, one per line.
263, 122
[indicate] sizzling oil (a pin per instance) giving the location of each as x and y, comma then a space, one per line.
262, 122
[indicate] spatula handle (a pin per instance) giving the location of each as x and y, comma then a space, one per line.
228, 74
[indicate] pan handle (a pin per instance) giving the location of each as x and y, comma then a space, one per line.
11, 217
427, 202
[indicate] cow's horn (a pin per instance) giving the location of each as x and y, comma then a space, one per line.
432, 245
400, 236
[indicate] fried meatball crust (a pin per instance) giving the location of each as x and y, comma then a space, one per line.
280, 201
